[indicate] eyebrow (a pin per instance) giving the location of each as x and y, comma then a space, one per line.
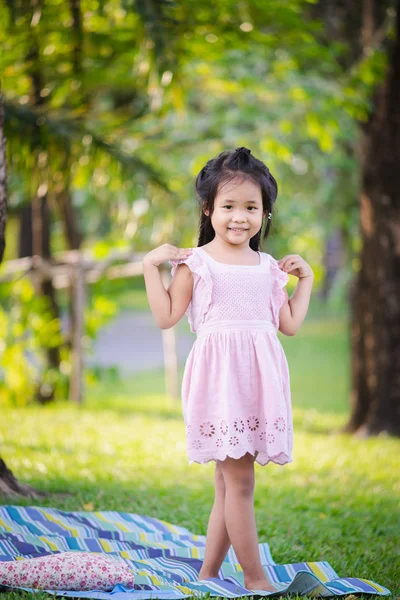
233, 201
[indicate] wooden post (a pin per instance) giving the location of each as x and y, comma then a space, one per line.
74, 269
77, 325
170, 352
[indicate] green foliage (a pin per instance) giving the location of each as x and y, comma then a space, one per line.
266, 76
261, 76
28, 330
99, 312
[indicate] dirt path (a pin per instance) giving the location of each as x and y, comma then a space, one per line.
133, 342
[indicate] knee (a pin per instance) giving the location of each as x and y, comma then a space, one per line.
242, 485
241, 480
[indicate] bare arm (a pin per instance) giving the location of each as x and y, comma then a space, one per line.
167, 306
294, 309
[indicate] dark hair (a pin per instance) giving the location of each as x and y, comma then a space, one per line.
227, 166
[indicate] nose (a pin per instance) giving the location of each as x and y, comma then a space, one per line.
238, 217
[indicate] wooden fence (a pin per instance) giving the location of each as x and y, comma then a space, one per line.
75, 269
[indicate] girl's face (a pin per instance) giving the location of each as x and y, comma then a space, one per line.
237, 206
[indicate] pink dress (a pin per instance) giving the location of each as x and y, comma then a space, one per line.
236, 386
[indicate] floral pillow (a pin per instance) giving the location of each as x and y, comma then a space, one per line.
67, 571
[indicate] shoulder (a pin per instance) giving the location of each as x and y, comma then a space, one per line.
275, 269
268, 259
272, 261
189, 264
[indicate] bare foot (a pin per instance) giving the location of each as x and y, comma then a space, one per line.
259, 584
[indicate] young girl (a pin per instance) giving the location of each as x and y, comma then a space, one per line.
235, 390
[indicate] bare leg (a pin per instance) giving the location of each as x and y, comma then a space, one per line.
217, 539
240, 519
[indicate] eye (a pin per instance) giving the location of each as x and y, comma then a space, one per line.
230, 205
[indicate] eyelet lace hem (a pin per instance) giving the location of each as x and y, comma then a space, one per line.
220, 438
262, 458
197, 266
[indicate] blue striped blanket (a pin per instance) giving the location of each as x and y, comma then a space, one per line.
165, 558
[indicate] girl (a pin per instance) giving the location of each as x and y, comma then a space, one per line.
235, 390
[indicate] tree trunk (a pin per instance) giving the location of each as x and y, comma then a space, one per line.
9, 486
3, 183
375, 317
69, 217
76, 290
333, 261
40, 216
34, 238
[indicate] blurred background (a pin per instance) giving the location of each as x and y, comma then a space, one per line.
109, 108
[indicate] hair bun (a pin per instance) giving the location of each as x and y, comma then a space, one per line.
243, 150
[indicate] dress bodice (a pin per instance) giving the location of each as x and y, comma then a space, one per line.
227, 292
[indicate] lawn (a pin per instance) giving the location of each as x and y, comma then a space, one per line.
124, 449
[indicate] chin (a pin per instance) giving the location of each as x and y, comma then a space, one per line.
242, 239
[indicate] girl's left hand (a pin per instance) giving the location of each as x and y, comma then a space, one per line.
293, 264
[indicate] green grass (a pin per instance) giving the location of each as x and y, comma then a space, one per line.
125, 450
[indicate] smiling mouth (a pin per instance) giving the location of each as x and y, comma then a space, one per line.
236, 229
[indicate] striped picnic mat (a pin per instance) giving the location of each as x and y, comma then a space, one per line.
165, 558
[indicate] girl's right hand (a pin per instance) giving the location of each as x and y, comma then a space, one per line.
165, 252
